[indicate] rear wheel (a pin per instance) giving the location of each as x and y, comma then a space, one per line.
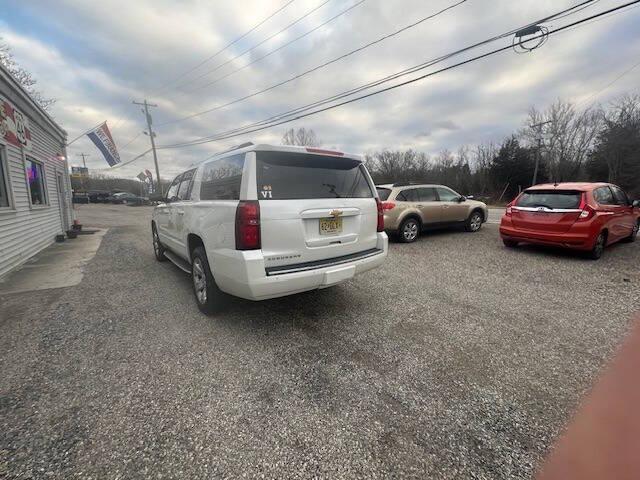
209, 297
158, 248
409, 230
509, 243
474, 222
634, 233
598, 248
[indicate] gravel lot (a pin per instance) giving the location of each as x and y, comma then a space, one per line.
456, 359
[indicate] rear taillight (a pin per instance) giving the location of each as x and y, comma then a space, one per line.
587, 211
507, 212
388, 206
380, 216
248, 225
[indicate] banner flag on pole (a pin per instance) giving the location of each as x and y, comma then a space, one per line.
101, 137
142, 176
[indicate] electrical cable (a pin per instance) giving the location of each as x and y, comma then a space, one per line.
271, 52
250, 129
317, 67
230, 44
226, 62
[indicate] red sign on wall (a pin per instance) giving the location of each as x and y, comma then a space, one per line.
14, 126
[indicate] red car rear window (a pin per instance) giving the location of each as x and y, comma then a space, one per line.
552, 199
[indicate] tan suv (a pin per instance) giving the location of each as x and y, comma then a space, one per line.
409, 209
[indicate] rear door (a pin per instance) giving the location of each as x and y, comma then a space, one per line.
625, 219
551, 211
313, 207
429, 205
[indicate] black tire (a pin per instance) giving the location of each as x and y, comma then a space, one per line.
509, 243
409, 230
598, 248
158, 248
634, 234
474, 222
209, 297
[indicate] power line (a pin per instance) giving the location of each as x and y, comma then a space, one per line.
219, 66
616, 79
318, 67
405, 71
300, 37
258, 127
230, 44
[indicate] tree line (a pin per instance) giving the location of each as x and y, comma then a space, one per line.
569, 144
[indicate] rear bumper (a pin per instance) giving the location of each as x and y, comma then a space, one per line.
243, 273
574, 240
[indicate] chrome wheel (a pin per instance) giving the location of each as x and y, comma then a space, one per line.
410, 230
156, 243
199, 281
475, 222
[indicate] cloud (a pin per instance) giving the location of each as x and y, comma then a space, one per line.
97, 57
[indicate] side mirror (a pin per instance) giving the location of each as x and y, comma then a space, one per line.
462, 198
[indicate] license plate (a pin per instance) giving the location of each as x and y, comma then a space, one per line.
330, 226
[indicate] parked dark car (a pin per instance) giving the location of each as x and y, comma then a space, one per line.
126, 198
99, 196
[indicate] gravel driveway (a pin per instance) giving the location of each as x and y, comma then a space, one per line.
457, 359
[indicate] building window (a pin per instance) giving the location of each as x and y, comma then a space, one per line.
5, 199
35, 179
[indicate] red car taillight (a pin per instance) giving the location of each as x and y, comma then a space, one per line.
380, 216
388, 206
587, 211
248, 225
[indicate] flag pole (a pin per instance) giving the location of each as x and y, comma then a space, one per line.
85, 132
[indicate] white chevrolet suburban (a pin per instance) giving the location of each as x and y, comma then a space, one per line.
263, 221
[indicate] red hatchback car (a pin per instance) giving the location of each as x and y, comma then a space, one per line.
581, 216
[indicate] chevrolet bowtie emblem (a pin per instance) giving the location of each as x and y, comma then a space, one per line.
336, 213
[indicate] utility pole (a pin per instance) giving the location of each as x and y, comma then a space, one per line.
84, 164
84, 156
152, 135
539, 139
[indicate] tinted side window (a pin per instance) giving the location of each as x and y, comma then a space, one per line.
221, 179
172, 193
620, 197
603, 196
447, 195
184, 192
409, 195
427, 195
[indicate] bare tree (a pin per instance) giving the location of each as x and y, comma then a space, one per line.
567, 138
302, 137
23, 77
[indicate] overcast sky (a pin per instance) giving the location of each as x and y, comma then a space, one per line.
96, 57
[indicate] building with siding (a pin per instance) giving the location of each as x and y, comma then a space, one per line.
35, 189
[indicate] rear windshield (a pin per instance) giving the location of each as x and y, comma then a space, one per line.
383, 193
551, 199
290, 176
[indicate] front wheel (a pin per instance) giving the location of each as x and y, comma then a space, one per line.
209, 297
158, 248
598, 248
474, 222
409, 230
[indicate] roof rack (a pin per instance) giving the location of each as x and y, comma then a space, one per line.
405, 184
